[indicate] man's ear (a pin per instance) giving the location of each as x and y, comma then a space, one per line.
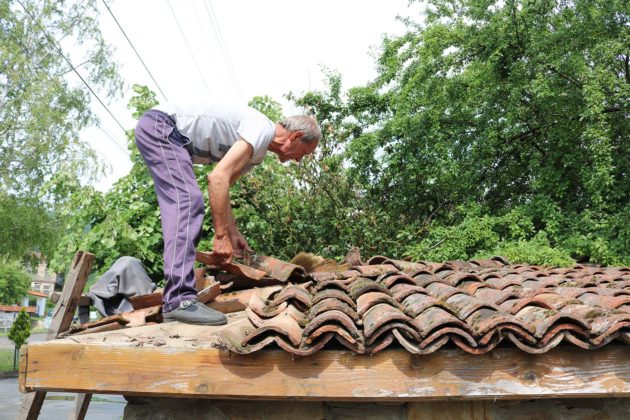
297, 135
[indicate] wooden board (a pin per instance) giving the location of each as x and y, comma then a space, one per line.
66, 305
391, 375
72, 289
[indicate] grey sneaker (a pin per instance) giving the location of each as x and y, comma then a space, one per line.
197, 313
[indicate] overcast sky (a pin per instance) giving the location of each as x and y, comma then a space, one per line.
257, 48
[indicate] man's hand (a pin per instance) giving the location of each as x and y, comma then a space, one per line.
223, 248
239, 244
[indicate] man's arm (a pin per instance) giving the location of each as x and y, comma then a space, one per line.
222, 176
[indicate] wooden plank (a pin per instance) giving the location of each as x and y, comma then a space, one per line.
61, 320
31, 406
84, 300
22, 367
72, 289
391, 375
117, 318
112, 326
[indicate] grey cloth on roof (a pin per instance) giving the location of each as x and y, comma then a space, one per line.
125, 278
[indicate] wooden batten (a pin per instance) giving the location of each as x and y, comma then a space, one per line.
391, 375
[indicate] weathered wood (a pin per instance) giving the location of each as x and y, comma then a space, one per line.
112, 326
61, 321
391, 375
209, 293
81, 404
31, 406
119, 318
84, 300
72, 289
22, 367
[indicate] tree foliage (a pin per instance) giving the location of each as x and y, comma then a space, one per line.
511, 106
42, 111
14, 283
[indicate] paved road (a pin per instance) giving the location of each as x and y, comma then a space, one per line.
59, 405
5, 343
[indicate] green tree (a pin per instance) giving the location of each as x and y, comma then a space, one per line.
21, 329
14, 283
43, 107
19, 333
506, 105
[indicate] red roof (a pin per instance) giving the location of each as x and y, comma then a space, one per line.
38, 294
423, 306
16, 308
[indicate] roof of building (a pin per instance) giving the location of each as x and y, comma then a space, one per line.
16, 308
423, 306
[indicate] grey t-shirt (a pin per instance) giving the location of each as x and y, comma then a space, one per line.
213, 128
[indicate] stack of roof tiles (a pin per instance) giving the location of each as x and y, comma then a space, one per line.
424, 306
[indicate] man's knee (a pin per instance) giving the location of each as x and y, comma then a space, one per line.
196, 201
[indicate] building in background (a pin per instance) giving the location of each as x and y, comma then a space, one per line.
8, 313
43, 280
37, 300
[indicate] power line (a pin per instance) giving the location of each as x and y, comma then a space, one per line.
134, 49
54, 44
108, 134
214, 22
28, 53
207, 37
188, 46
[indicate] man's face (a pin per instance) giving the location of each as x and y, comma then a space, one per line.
295, 149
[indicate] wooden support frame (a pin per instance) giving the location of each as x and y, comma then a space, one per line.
392, 375
61, 320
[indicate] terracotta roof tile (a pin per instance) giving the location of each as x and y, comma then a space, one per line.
421, 306
16, 308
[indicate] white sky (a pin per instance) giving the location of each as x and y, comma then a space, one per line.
274, 46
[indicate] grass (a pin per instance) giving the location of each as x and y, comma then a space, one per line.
6, 360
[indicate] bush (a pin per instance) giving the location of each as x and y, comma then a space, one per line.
21, 329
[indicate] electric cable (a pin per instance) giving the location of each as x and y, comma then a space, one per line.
188, 46
27, 52
214, 22
134, 50
54, 44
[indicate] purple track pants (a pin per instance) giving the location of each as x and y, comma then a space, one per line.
180, 200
